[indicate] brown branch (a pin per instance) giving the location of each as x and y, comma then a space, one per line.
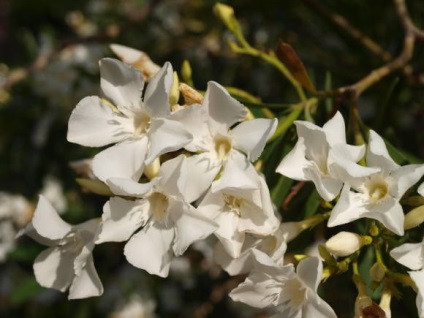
355, 90
367, 42
345, 25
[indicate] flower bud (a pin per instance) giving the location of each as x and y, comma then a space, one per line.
377, 272
344, 243
174, 94
414, 218
136, 58
226, 14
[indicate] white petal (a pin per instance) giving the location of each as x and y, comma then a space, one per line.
377, 155
87, 283
294, 163
195, 120
254, 220
238, 174
342, 166
173, 176
250, 136
166, 135
233, 266
315, 307
228, 233
421, 189
54, 268
327, 187
150, 249
389, 213
128, 187
223, 109
121, 218
47, 222
94, 124
126, 54
347, 209
258, 290
356, 153
156, 97
212, 205
202, 172
335, 130
123, 160
315, 139
191, 226
410, 255
418, 278
121, 84
404, 178
310, 271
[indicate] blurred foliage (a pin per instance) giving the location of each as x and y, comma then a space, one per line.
34, 113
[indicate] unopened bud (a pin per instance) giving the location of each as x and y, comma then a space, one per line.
344, 243
414, 218
174, 94
226, 14
152, 170
186, 73
191, 96
136, 58
377, 272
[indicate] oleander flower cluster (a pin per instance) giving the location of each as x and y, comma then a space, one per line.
179, 173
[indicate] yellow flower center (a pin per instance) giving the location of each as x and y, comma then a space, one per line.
377, 189
159, 205
233, 203
141, 123
222, 146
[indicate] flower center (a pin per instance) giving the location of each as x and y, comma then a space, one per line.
233, 203
222, 146
377, 189
320, 160
73, 243
297, 292
159, 205
141, 123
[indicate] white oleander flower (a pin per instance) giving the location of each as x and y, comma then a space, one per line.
322, 156
218, 136
142, 129
292, 294
240, 203
68, 262
170, 224
377, 195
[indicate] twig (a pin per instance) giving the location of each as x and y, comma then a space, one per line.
345, 25
411, 32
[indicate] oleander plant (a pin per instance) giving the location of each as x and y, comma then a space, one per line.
230, 179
